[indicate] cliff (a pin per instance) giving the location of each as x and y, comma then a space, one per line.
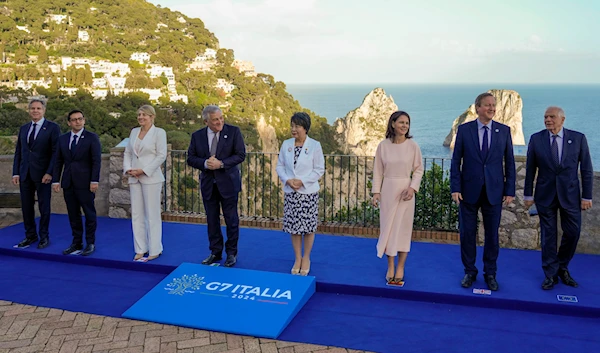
509, 106
361, 130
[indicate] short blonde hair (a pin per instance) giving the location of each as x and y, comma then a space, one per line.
148, 110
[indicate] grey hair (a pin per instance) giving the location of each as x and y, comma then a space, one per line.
43, 102
481, 97
210, 109
561, 112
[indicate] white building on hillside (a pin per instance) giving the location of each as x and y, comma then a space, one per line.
178, 97
140, 57
116, 83
100, 93
222, 84
154, 93
83, 36
57, 18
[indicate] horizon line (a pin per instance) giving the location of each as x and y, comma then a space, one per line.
444, 83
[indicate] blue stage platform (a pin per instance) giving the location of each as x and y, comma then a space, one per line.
352, 307
232, 300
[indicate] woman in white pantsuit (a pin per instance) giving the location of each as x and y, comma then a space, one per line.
144, 154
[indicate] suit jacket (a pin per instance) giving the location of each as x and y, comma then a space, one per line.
230, 150
80, 167
39, 159
309, 167
561, 180
469, 171
152, 154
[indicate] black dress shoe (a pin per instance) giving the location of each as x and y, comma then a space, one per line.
549, 283
89, 250
72, 248
231, 260
211, 259
467, 281
43, 243
26, 242
491, 282
566, 278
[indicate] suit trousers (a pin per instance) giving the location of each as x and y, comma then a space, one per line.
29, 189
213, 207
146, 218
76, 200
570, 221
467, 216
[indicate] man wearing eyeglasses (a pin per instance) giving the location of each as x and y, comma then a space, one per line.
79, 151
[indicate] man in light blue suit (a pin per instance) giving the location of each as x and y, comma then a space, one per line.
556, 155
482, 176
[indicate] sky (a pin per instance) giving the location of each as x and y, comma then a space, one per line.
408, 41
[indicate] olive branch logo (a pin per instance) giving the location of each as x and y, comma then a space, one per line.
185, 284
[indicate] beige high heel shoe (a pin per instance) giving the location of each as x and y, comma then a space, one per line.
150, 258
138, 256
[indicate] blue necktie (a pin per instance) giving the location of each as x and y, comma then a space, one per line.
73, 144
31, 135
554, 150
484, 144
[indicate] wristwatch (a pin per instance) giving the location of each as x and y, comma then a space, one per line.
222, 165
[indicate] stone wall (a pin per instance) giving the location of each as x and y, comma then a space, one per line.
521, 231
517, 228
119, 199
58, 201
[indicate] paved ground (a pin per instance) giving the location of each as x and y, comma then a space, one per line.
25, 328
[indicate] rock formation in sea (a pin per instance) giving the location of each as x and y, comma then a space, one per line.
509, 106
361, 130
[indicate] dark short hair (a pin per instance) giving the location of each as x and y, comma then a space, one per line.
390, 133
73, 112
301, 119
481, 97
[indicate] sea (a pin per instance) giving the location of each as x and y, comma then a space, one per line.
433, 108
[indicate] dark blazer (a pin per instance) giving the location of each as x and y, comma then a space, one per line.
83, 166
469, 172
563, 179
39, 159
230, 150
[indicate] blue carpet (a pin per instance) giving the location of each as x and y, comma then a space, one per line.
358, 322
432, 313
345, 265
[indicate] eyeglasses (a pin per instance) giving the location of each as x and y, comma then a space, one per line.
77, 119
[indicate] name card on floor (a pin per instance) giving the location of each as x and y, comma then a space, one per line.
246, 302
567, 298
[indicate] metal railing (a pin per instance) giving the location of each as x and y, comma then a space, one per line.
345, 195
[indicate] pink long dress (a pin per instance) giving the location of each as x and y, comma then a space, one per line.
394, 164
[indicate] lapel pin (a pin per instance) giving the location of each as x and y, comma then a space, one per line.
43, 128
225, 136
289, 149
569, 141
497, 130
306, 150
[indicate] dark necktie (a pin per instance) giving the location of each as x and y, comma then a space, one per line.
554, 150
484, 144
73, 144
32, 135
213, 145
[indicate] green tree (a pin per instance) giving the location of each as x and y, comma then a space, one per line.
43, 55
21, 56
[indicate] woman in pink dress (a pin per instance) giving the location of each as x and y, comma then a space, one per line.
397, 175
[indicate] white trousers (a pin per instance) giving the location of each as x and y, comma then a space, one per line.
146, 218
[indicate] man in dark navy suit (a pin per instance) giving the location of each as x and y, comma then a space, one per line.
79, 151
556, 155
482, 176
217, 150
33, 166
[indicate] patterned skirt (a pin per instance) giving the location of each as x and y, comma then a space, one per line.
300, 213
